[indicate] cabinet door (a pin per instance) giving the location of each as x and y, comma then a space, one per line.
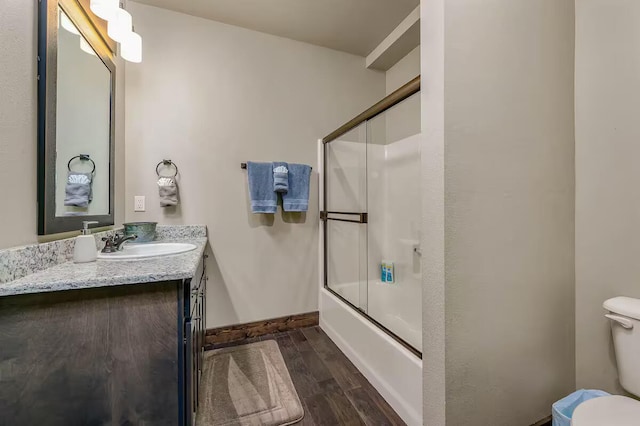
100, 356
201, 328
195, 367
188, 377
203, 307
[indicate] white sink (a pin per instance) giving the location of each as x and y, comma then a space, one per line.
140, 251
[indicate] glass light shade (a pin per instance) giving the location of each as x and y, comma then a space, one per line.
119, 28
105, 9
131, 48
66, 23
86, 47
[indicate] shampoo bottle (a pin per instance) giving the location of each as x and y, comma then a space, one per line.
390, 278
85, 247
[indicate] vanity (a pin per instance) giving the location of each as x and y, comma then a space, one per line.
109, 342
120, 340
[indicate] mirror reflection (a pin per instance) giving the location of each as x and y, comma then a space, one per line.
83, 125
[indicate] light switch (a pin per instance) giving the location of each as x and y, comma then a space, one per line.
138, 205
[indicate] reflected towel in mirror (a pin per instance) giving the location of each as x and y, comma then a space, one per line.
78, 191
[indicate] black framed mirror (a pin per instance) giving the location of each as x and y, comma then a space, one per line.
76, 113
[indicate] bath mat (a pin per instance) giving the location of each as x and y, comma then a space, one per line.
247, 385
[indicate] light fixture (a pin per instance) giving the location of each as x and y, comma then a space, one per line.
119, 27
66, 23
131, 48
105, 9
86, 47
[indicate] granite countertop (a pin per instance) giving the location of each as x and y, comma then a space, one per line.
105, 273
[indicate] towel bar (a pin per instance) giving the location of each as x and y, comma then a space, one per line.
244, 166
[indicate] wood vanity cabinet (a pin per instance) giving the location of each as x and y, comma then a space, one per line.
120, 355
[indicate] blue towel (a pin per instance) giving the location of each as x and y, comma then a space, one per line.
263, 199
280, 177
297, 198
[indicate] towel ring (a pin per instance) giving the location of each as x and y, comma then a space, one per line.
167, 163
82, 157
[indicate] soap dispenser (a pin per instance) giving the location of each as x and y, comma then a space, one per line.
85, 248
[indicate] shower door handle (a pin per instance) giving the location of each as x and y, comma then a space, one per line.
418, 251
362, 217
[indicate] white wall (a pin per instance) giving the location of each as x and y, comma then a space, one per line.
509, 209
209, 96
607, 176
432, 103
500, 76
405, 70
18, 125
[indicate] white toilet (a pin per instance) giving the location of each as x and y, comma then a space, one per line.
616, 410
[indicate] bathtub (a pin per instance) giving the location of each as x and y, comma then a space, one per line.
393, 370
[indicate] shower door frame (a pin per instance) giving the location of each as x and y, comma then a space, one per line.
391, 100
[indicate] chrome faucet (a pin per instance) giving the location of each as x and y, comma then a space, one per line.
114, 243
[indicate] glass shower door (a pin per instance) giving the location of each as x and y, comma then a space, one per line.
346, 215
394, 205
372, 220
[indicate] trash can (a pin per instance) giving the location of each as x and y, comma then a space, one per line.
563, 410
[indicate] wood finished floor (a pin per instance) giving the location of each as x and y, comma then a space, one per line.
332, 390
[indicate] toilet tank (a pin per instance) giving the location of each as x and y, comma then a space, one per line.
624, 313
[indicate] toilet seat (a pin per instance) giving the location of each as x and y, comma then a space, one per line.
612, 410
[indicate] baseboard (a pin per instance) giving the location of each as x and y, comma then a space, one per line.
544, 422
238, 332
